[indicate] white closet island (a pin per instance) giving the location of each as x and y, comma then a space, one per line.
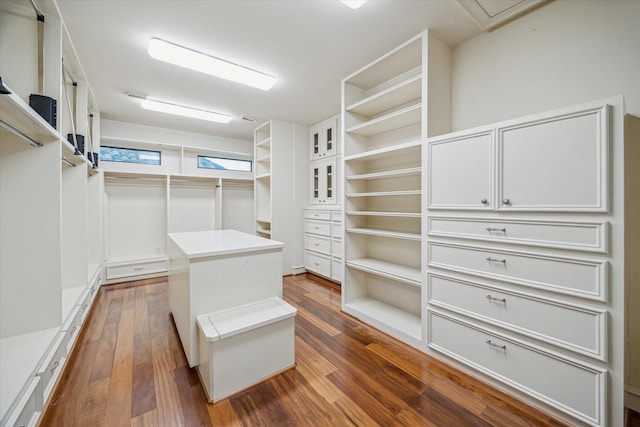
214, 270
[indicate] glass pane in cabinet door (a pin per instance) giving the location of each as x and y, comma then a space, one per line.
316, 143
316, 185
329, 181
329, 138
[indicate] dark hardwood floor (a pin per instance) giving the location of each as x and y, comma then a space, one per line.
128, 368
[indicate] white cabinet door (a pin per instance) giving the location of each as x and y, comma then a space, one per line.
324, 142
324, 182
555, 164
461, 172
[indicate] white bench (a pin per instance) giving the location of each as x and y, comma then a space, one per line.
244, 345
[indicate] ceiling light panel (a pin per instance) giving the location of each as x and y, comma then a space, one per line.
180, 110
354, 4
188, 58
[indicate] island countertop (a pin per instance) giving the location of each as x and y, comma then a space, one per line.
202, 244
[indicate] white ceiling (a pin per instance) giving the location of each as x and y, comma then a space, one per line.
309, 45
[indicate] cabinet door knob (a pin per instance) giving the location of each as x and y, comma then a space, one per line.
484, 201
506, 201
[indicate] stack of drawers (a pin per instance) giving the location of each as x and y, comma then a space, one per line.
526, 256
323, 242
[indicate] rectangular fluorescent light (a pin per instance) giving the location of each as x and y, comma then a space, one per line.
188, 58
354, 4
180, 110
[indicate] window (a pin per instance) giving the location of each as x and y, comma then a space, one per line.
129, 155
221, 163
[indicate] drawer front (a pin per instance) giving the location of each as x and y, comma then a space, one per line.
319, 215
336, 229
564, 275
72, 329
317, 244
337, 270
28, 410
589, 237
136, 269
574, 328
52, 365
317, 263
337, 250
317, 227
336, 216
576, 388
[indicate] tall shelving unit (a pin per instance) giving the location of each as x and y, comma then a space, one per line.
281, 152
50, 217
388, 108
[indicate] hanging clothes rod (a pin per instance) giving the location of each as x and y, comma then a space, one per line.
16, 132
68, 163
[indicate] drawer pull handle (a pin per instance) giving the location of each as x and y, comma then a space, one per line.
502, 300
502, 230
73, 329
55, 366
484, 201
317, 244
492, 344
317, 264
504, 261
139, 268
506, 201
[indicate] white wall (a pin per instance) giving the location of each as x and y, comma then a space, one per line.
170, 136
563, 53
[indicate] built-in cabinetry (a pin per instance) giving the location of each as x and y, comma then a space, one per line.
281, 156
528, 261
142, 208
323, 250
50, 215
324, 164
388, 107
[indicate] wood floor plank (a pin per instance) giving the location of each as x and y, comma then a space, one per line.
148, 419
121, 387
222, 414
129, 358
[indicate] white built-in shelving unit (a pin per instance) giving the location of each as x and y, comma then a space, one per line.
280, 185
50, 214
145, 202
388, 108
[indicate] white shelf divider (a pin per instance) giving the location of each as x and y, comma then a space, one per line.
402, 273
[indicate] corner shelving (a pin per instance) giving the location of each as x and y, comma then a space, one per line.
386, 107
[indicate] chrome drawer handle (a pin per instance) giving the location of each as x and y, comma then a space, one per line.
317, 264
484, 201
502, 300
502, 230
317, 244
506, 201
55, 366
138, 268
492, 344
504, 261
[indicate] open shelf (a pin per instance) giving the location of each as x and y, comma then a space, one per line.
385, 316
404, 117
399, 93
402, 273
410, 146
384, 233
387, 193
264, 177
398, 173
264, 143
19, 115
386, 214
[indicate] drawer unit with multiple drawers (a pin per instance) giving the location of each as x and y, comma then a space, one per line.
323, 243
529, 257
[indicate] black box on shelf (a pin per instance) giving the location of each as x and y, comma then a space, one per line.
44, 106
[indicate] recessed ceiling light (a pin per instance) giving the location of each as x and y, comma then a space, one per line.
180, 110
189, 58
354, 4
